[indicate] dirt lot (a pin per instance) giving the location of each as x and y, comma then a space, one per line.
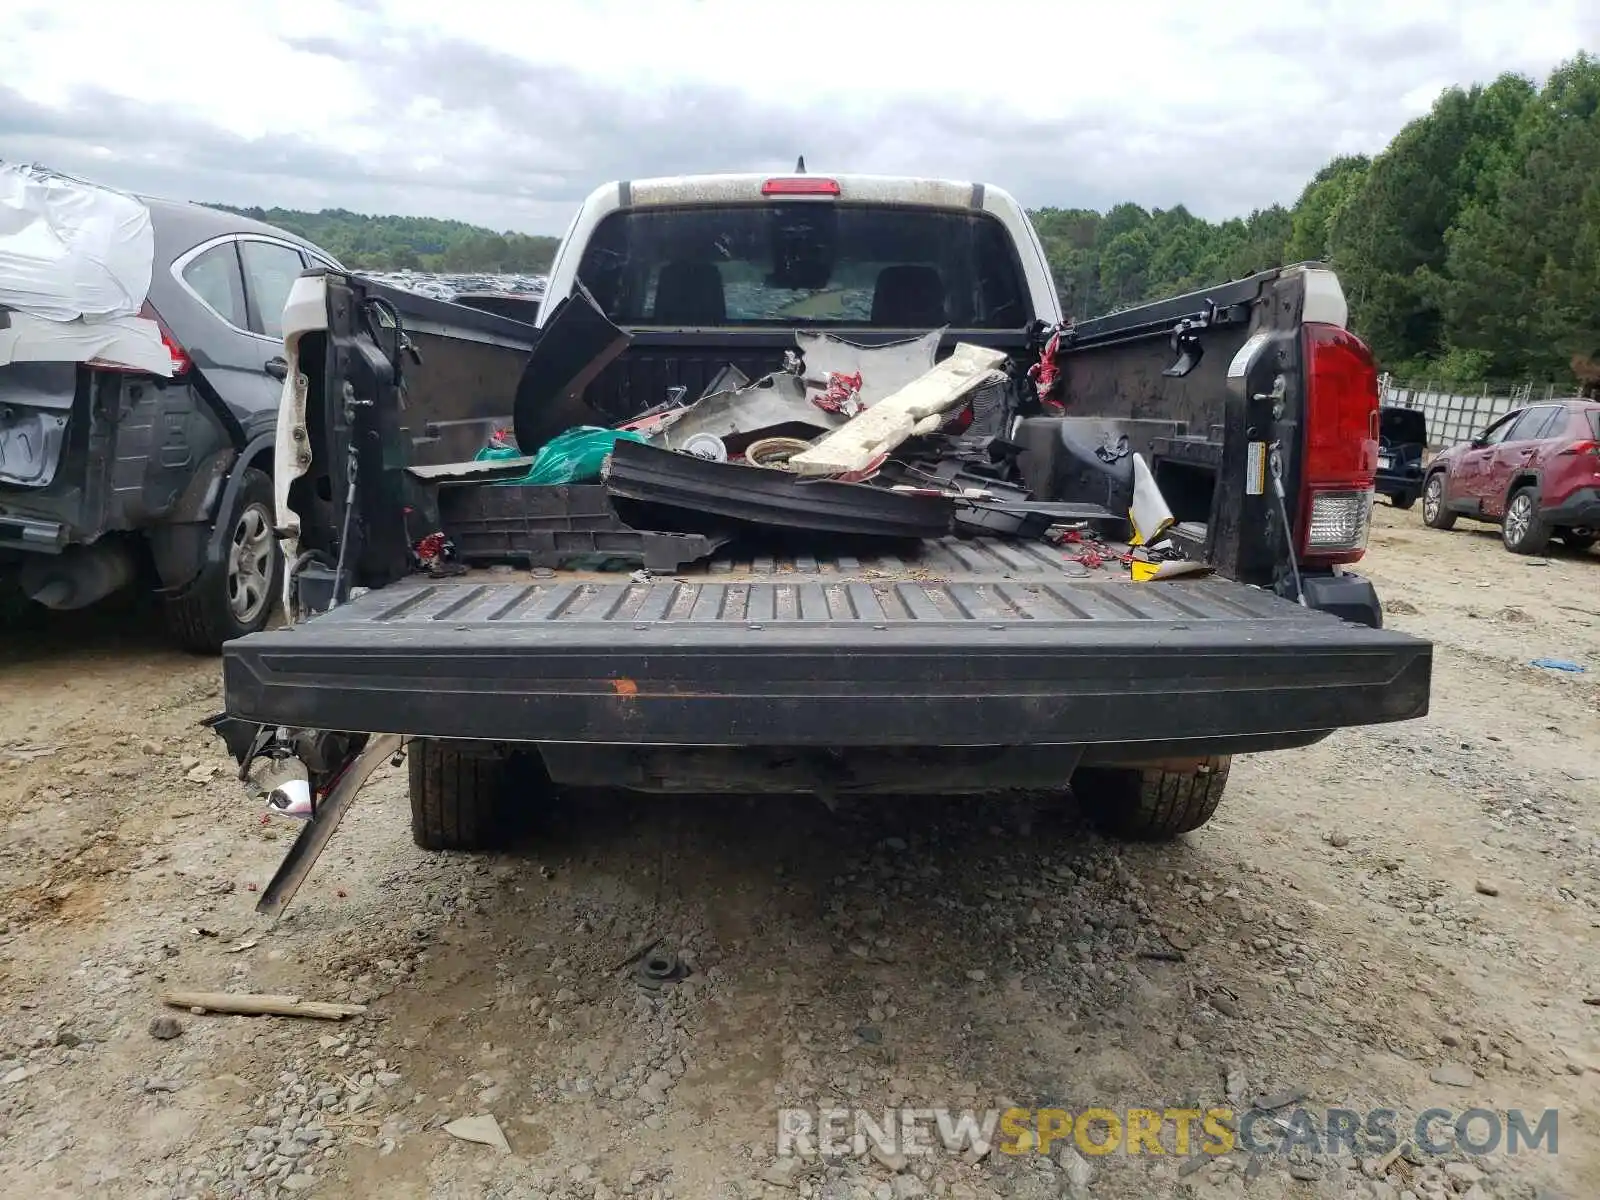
1399, 917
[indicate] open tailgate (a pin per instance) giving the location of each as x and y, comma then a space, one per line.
970, 643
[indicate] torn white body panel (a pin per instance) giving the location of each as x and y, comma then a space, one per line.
923, 403
71, 249
122, 341
772, 400
884, 370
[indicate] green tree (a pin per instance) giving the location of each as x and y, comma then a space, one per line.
1320, 204
1521, 286
1388, 238
382, 243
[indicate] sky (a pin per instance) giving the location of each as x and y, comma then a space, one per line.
506, 114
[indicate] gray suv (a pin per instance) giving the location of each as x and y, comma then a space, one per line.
110, 474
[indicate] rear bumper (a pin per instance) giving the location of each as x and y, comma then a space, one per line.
1580, 510
1260, 681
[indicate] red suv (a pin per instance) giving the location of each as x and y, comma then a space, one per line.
1536, 472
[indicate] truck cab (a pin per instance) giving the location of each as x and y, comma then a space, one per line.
882, 210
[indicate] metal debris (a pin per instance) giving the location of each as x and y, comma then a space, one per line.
658, 969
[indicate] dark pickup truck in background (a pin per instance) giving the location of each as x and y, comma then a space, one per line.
955, 664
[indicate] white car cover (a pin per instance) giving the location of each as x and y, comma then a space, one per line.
71, 249
75, 264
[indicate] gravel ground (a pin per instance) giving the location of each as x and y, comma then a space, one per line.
1399, 917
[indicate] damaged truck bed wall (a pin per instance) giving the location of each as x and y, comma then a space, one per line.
1116, 370
466, 381
1124, 378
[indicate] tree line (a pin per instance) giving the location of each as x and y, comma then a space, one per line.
389, 243
1469, 248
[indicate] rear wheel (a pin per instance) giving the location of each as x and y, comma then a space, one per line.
1434, 513
1402, 500
235, 596
1573, 540
471, 795
1523, 530
1154, 803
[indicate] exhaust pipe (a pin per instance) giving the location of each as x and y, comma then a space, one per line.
78, 576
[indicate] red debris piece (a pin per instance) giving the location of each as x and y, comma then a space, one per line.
867, 472
430, 550
1085, 546
1046, 374
842, 395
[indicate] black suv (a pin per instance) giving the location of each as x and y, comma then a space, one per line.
110, 474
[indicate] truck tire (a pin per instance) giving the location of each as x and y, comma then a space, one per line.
1523, 529
1152, 804
237, 596
468, 795
1434, 514
1403, 500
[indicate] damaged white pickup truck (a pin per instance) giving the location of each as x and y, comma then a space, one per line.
813, 489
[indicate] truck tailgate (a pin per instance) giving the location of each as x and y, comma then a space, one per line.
968, 643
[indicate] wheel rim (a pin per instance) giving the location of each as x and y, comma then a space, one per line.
250, 565
1518, 516
1431, 499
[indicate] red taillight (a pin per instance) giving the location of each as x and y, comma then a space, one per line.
1340, 457
1585, 447
181, 361
800, 185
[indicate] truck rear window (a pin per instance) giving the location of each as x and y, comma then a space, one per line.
805, 264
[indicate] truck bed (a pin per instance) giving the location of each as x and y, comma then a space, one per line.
992, 642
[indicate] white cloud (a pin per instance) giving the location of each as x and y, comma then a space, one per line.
506, 114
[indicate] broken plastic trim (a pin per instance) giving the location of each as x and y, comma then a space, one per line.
757, 496
314, 837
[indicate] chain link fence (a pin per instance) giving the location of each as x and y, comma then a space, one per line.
1458, 415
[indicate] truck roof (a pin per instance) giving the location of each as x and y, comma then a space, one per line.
754, 188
